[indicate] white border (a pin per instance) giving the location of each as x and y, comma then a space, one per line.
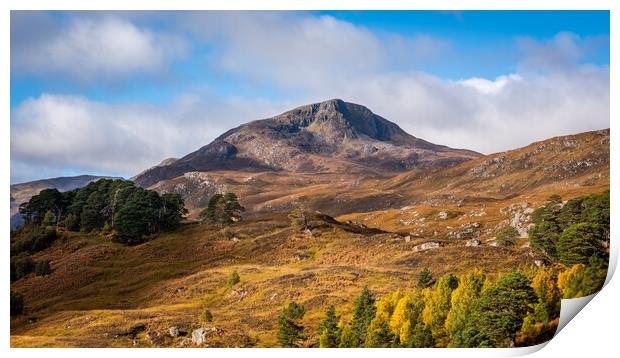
596, 333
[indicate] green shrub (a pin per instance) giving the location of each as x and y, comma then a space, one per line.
36, 239
72, 223
233, 279
42, 268
206, 316
21, 266
17, 303
506, 236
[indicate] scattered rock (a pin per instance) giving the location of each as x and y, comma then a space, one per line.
312, 232
408, 238
153, 338
300, 257
443, 215
521, 217
472, 242
238, 294
538, 262
466, 231
173, 331
199, 336
185, 342
427, 246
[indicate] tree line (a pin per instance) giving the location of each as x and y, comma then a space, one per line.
472, 310
132, 213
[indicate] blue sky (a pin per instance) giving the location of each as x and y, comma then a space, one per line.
127, 89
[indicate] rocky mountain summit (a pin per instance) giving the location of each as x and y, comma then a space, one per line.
327, 137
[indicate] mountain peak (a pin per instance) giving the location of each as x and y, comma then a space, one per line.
329, 136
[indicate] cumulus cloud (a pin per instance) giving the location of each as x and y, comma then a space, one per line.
489, 116
54, 131
300, 50
551, 91
90, 48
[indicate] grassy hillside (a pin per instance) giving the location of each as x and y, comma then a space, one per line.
100, 293
99, 290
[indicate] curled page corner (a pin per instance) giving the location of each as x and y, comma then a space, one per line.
571, 307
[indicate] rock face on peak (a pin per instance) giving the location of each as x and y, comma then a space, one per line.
327, 137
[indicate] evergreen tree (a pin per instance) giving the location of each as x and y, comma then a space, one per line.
106, 205
222, 210
329, 332
499, 312
379, 335
421, 337
172, 211
425, 278
72, 222
290, 328
544, 237
579, 242
363, 313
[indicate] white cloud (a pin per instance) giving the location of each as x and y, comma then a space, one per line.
488, 116
312, 58
562, 52
301, 50
93, 48
489, 87
55, 131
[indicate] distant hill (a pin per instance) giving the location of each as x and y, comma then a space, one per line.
22, 192
327, 137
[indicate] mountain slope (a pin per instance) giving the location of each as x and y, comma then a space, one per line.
332, 136
103, 294
570, 162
